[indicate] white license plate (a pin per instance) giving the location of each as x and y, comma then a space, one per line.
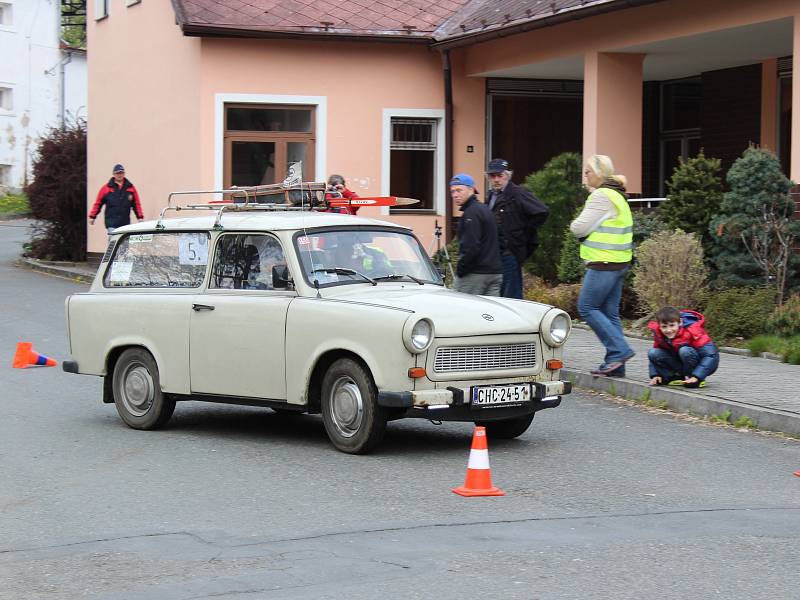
500, 395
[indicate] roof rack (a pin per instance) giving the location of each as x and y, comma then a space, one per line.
273, 197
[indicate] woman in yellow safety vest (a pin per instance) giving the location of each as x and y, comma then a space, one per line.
605, 230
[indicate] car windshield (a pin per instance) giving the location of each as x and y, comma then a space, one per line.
333, 257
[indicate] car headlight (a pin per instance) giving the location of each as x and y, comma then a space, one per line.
556, 326
418, 335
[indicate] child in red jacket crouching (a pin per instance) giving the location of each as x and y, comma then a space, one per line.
682, 352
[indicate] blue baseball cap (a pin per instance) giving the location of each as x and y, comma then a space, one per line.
463, 179
118, 169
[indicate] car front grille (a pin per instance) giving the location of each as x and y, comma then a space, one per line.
485, 358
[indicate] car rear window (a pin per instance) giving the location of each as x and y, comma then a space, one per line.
159, 260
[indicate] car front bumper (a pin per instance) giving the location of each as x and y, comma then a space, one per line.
453, 403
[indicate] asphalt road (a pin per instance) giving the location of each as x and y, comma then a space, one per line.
603, 500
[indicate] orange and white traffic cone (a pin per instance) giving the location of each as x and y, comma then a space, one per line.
26, 356
479, 476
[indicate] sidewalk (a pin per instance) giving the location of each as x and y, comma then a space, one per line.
766, 391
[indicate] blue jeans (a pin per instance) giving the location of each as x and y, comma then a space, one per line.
669, 365
512, 277
598, 304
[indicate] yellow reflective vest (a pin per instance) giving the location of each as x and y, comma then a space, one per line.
612, 241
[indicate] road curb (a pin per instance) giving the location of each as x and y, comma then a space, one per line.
687, 402
66, 270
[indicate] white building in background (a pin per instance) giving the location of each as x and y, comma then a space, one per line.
41, 83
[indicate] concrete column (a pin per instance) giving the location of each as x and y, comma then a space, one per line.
612, 111
794, 172
769, 105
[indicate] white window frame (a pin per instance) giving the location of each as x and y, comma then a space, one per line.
101, 9
321, 127
7, 15
6, 90
386, 151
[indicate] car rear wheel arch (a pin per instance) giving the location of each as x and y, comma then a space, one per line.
111, 363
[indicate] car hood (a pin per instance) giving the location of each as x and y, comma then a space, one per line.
454, 314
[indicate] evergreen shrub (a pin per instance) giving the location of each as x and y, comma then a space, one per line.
738, 312
754, 232
694, 196
57, 196
669, 271
559, 185
570, 265
646, 225
785, 319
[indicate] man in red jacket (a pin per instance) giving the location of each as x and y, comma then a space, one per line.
682, 352
119, 197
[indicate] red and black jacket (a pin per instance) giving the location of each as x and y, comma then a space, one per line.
118, 200
690, 333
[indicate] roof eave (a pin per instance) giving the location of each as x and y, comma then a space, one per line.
500, 31
203, 30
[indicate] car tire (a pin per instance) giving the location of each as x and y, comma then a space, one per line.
137, 391
507, 429
353, 420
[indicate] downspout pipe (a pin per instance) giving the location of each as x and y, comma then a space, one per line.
448, 143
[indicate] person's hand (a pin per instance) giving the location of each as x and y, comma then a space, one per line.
690, 380
655, 380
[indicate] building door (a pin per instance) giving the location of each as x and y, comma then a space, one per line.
533, 120
262, 140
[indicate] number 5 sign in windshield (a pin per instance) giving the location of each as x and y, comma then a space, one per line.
193, 249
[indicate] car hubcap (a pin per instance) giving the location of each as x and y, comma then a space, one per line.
138, 390
347, 407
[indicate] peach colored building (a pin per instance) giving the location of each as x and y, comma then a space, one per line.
397, 96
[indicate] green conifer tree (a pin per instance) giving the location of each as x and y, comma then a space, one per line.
754, 234
695, 194
559, 185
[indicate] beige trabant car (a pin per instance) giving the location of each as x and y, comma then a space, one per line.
310, 312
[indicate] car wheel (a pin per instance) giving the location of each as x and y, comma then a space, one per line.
507, 429
137, 391
353, 420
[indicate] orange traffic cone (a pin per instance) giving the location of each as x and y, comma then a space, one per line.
479, 476
27, 357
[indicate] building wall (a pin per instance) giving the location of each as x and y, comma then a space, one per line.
144, 98
356, 81
29, 67
76, 81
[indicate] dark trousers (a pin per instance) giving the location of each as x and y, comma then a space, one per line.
670, 366
512, 277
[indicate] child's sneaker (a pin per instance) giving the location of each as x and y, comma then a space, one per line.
696, 384
677, 383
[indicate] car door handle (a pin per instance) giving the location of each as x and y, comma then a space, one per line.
199, 307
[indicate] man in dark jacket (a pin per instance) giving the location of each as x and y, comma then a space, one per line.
119, 197
519, 215
479, 268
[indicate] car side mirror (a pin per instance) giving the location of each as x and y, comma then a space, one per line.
280, 277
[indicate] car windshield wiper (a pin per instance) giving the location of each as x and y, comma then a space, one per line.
400, 276
343, 271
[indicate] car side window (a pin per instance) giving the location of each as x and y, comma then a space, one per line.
245, 262
159, 260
